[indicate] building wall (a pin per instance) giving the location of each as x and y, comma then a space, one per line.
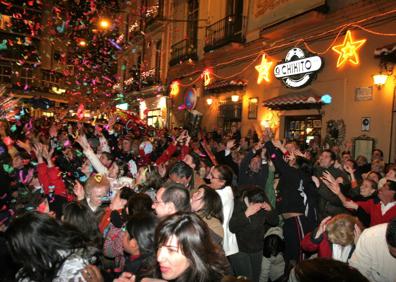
341, 83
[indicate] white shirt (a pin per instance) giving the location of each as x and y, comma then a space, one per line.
388, 206
341, 253
230, 244
372, 257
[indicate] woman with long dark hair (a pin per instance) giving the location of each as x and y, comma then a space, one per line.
206, 203
221, 177
82, 218
47, 249
138, 242
185, 251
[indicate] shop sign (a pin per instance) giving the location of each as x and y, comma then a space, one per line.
298, 69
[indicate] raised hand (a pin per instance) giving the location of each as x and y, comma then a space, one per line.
351, 205
357, 232
331, 183
265, 206
82, 140
38, 151
112, 121
126, 277
78, 190
322, 227
230, 144
91, 273
24, 145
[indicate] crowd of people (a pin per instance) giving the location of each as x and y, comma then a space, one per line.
110, 202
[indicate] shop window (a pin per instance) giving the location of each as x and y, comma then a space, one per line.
230, 114
154, 118
303, 128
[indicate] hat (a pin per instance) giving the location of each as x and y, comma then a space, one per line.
274, 231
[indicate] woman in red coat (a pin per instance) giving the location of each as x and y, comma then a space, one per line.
335, 237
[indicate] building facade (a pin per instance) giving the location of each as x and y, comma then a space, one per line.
222, 43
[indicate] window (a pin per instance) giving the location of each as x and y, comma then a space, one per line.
50, 79
192, 25
154, 118
26, 77
303, 128
5, 72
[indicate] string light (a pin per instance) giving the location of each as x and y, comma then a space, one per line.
206, 77
263, 69
348, 50
175, 88
340, 29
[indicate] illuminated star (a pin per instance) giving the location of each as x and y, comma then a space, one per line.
263, 69
348, 50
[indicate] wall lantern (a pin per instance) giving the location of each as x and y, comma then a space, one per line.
380, 80
235, 98
209, 101
265, 123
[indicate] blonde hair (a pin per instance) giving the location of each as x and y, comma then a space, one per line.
340, 229
97, 181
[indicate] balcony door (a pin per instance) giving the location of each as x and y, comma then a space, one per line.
234, 12
192, 24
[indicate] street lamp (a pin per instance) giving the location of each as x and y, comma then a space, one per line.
82, 43
104, 23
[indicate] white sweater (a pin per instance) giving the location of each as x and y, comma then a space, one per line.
372, 257
230, 244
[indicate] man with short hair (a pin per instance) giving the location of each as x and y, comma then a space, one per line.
181, 173
171, 199
329, 204
375, 253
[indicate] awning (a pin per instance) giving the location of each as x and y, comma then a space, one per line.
222, 86
294, 101
386, 53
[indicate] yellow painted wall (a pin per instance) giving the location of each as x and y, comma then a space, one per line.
339, 83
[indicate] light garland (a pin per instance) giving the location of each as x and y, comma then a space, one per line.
296, 42
206, 77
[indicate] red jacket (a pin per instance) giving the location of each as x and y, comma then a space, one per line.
50, 176
321, 245
374, 210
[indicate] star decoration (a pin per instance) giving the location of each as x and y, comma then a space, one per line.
206, 77
348, 50
263, 69
174, 88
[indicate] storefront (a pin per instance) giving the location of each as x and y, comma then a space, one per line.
304, 85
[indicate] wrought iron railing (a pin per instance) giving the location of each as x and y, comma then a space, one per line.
183, 50
227, 30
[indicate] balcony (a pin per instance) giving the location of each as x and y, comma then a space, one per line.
183, 50
153, 14
225, 31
